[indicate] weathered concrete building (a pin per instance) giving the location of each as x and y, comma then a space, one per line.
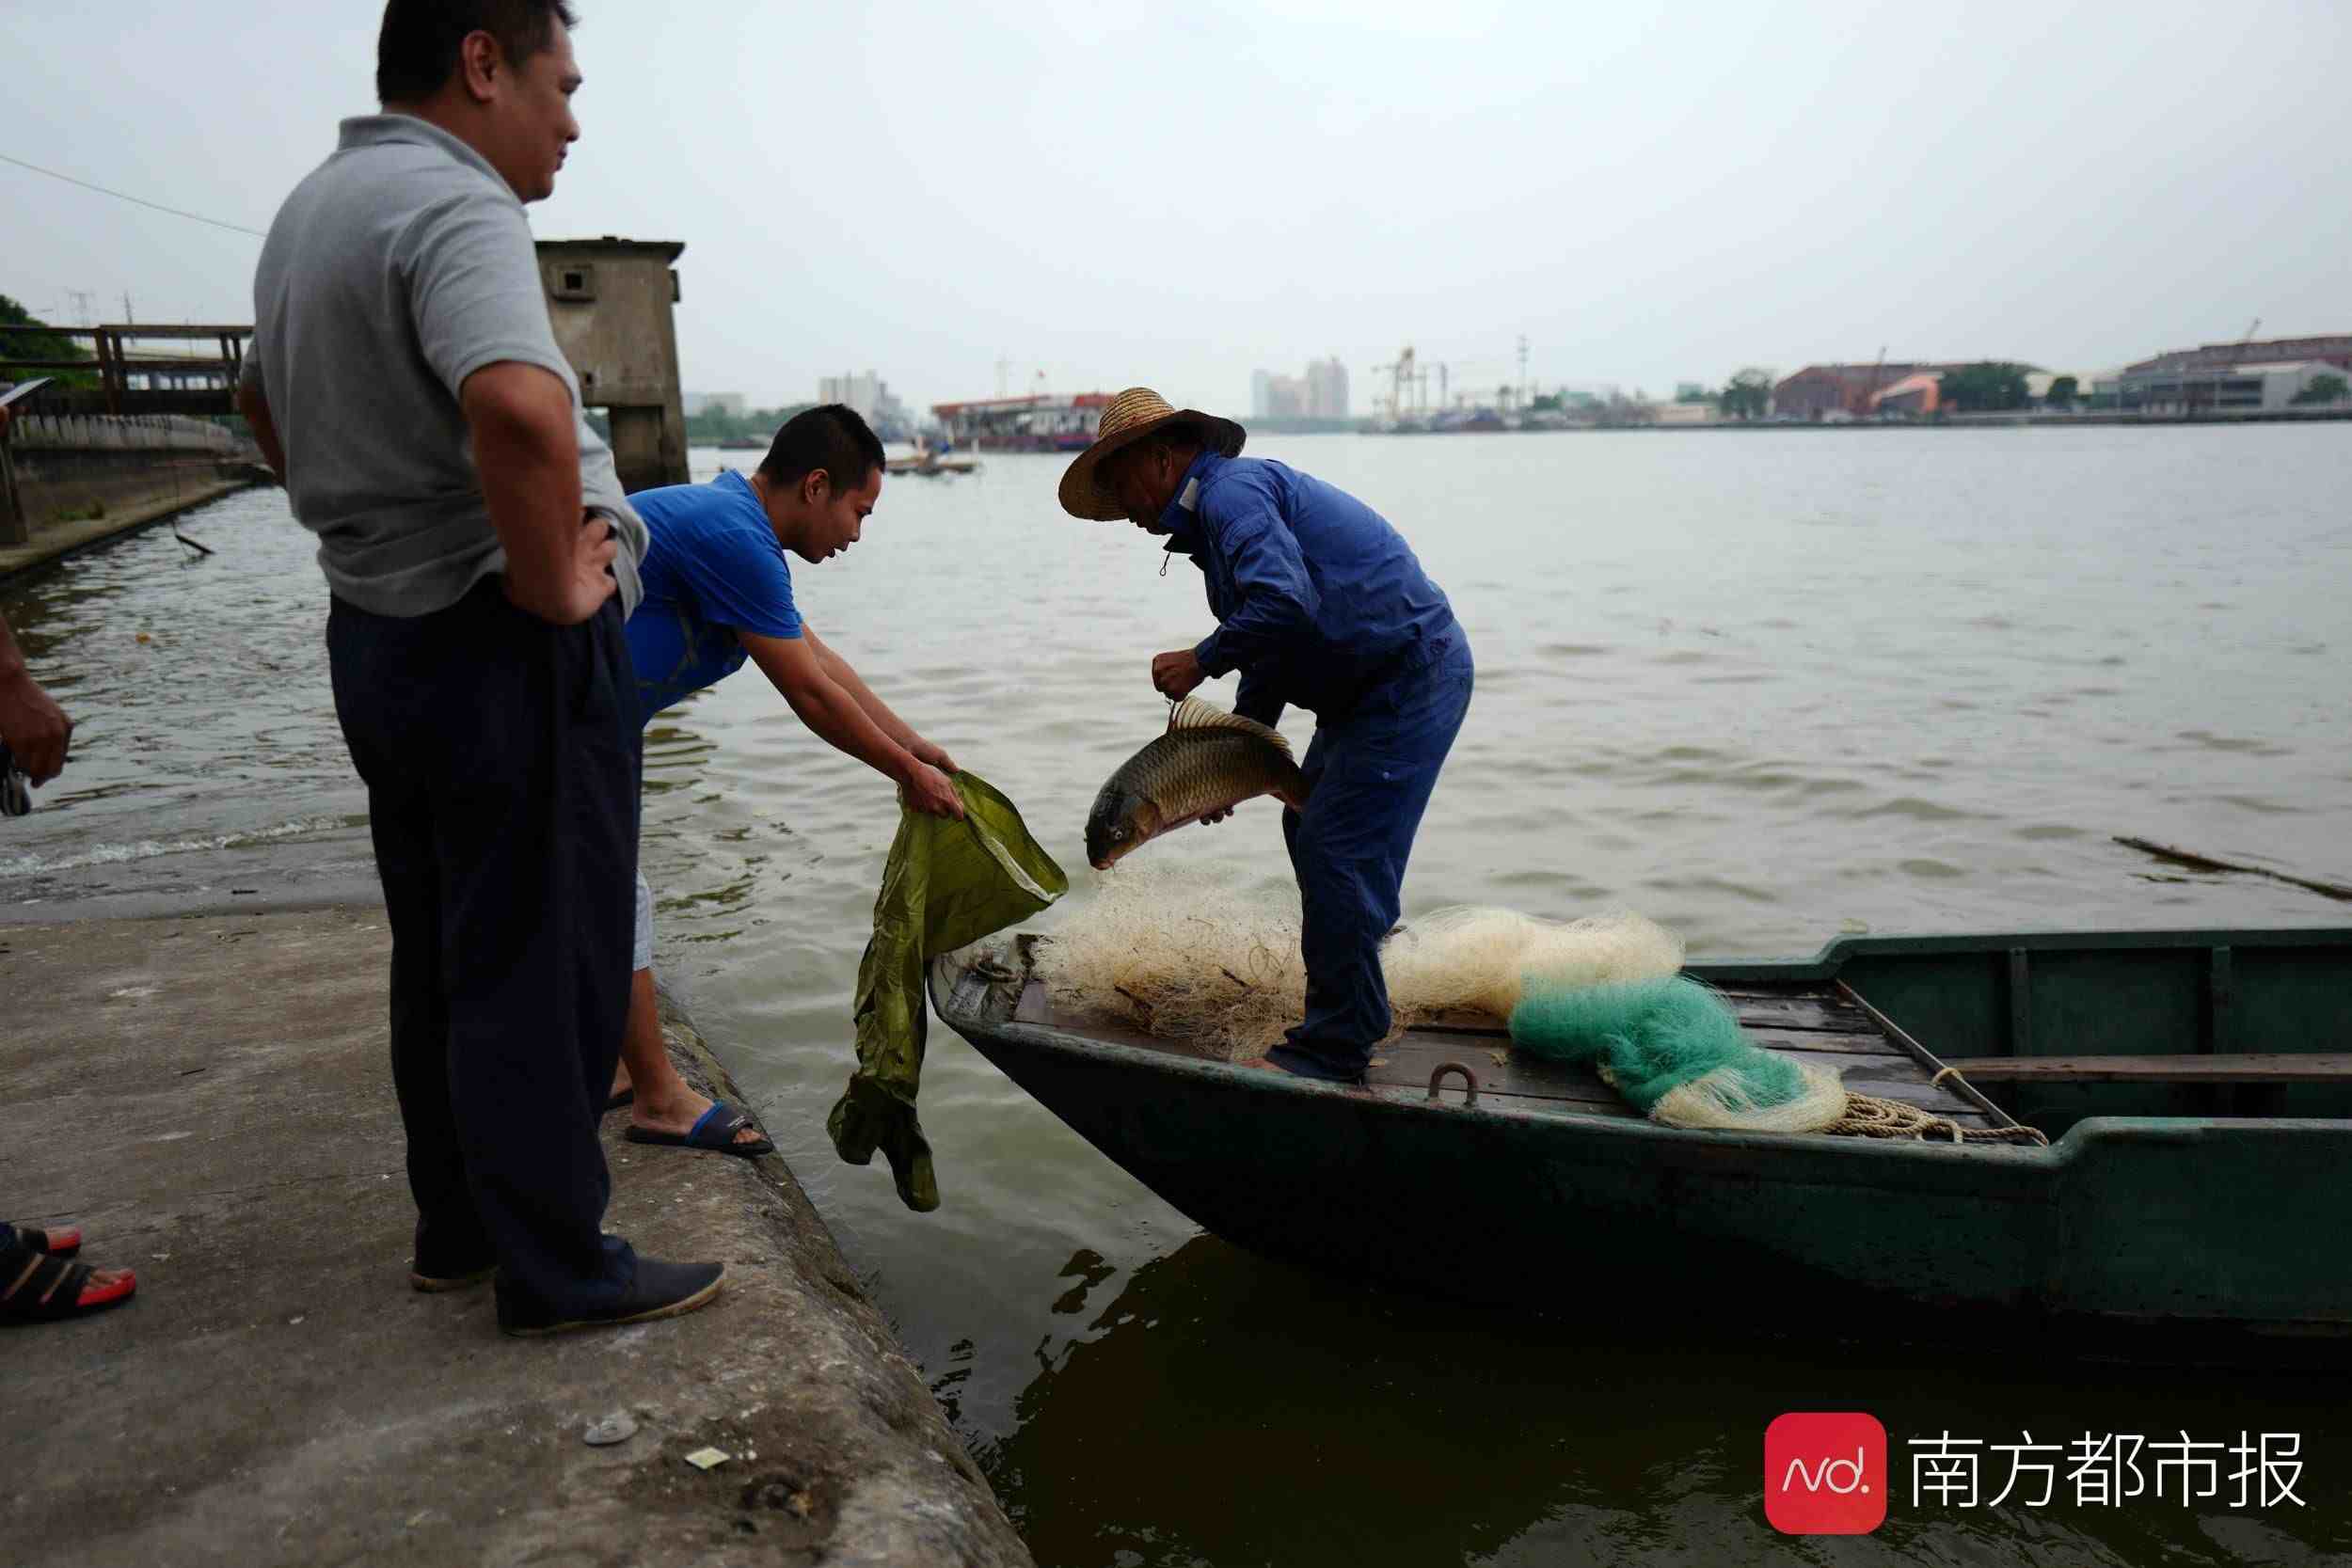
609, 303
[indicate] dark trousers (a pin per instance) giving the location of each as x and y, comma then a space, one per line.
1369, 775
501, 757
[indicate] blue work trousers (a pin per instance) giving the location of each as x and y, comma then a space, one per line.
1369, 775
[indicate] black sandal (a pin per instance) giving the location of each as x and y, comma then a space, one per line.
64, 1241
35, 1287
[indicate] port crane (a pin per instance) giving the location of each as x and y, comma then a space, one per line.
1403, 372
1408, 382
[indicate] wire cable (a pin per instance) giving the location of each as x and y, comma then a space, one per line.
136, 201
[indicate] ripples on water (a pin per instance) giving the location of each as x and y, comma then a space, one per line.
1763, 686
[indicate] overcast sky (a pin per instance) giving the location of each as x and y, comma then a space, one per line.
1181, 195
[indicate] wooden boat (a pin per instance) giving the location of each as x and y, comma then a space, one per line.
926, 465
2198, 1115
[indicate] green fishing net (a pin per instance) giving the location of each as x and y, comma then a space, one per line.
1674, 1047
946, 884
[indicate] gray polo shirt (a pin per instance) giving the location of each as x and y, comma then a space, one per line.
398, 267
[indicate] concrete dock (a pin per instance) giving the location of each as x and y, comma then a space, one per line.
69, 482
208, 1096
50, 543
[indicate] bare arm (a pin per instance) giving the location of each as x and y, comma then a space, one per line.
875, 708
31, 722
793, 666
255, 407
526, 451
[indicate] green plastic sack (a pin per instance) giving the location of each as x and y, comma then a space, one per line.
946, 884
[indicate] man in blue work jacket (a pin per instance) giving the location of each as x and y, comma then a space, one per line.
1319, 604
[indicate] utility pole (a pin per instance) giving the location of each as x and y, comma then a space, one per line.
1521, 393
81, 298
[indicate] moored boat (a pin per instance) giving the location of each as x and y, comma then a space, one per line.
1040, 423
2200, 1121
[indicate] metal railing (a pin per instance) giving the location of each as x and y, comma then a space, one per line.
135, 381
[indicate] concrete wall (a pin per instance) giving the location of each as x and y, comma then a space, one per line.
83, 466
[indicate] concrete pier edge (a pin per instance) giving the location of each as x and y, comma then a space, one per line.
54, 542
209, 1095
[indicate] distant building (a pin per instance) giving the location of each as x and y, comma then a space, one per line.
2252, 375
1326, 390
1921, 395
1320, 394
1685, 411
729, 403
2224, 387
873, 400
861, 393
1690, 391
1818, 391
2334, 349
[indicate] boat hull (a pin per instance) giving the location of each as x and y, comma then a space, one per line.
2194, 1223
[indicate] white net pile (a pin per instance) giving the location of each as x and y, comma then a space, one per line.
1171, 951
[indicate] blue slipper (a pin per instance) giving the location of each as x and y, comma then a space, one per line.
714, 1130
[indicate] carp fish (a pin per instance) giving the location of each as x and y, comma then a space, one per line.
1208, 762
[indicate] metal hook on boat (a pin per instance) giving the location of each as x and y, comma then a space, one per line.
1470, 1081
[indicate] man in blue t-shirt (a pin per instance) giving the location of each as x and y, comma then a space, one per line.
718, 590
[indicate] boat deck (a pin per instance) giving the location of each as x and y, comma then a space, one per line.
1813, 1023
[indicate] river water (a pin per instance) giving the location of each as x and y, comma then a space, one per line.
1763, 686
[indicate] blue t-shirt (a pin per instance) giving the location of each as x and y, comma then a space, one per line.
713, 568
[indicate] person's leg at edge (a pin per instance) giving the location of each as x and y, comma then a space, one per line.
368, 658
499, 711
662, 1100
591, 809
1350, 849
1343, 916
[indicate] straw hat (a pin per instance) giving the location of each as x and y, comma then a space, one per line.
1132, 415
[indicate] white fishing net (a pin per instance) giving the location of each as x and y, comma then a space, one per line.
1171, 950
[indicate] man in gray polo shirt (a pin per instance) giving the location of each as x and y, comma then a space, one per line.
405, 383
